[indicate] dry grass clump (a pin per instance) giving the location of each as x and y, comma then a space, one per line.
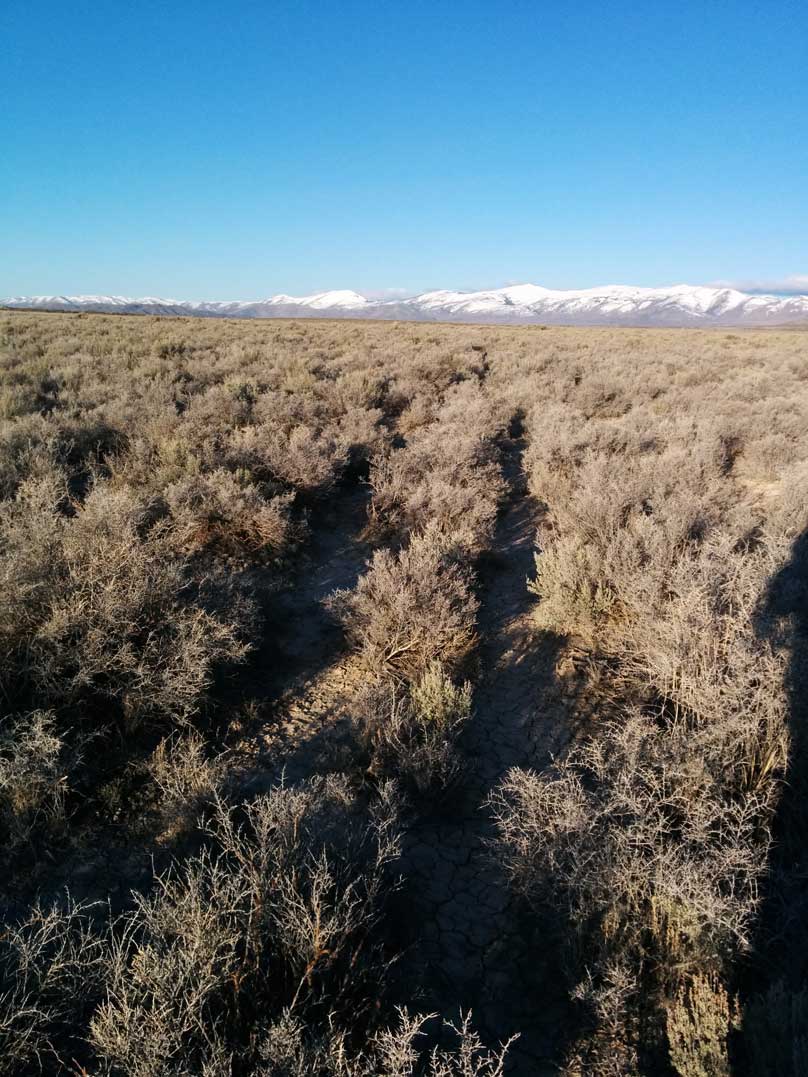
411, 735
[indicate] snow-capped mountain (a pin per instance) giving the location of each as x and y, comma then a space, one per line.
679, 305
344, 300
323, 304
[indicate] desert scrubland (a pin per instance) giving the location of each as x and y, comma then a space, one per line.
372, 694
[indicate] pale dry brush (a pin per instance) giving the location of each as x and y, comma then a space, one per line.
51, 972
288, 1050
187, 778
280, 916
38, 764
225, 512
412, 734
446, 476
93, 608
411, 608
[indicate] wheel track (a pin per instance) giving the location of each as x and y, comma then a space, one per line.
476, 949
472, 947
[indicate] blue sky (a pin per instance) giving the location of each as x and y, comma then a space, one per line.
201, 150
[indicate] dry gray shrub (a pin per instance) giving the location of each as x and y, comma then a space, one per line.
50, 975
165, 968
646, 856
227, 513
608, 1045
92, 608
448, 474
308, 440
36, 767
282, 917
288, 1051
305, 458
652, 838
622, 521
411, 735
650, 851
698, 647
411, 608
186, 777
31, 448
672, 466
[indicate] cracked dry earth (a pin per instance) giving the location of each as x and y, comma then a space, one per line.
469, 945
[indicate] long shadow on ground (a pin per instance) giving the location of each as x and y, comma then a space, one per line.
477, 950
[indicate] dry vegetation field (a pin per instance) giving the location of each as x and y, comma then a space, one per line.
375, 693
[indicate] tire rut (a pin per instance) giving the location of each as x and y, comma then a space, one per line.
475, 950
471, 946
314, 673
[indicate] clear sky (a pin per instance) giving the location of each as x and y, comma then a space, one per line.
199, 150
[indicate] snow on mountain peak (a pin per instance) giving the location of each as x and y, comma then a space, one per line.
614, 304
322, 300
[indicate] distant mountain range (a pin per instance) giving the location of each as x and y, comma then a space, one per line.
519, 304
